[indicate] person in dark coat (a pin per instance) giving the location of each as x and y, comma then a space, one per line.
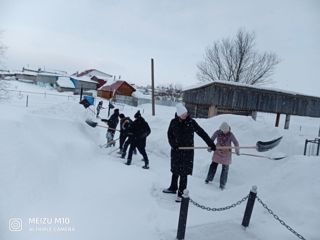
140, 131
112, 125
127, 125
181, 134
124, 127
99, 107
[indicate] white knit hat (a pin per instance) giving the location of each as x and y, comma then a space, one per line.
181, 109
224, 127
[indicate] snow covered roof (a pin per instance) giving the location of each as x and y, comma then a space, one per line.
27, 73
95, 72
65, 82
203, 85
49, 74
83, 79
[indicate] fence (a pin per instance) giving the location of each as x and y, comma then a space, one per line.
133, 101
30, 98
312, 147
251, 197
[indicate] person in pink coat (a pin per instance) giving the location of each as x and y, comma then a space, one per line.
224, 137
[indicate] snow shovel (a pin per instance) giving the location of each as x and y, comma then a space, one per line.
260, 146
106, 144
95, 124
260, 156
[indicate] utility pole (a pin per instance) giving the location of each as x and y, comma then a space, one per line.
152, 87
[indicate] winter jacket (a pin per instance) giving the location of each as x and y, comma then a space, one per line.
181, 134
223, 156
125, 125
140, 128
112, 122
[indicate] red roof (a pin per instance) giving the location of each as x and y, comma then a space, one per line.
115, 86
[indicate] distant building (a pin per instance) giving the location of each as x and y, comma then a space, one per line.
64, 84
219, 97
119, 87
83, 82
47, 79
26, 76
95, 75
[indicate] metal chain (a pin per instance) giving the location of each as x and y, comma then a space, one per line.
219, 209
280, 220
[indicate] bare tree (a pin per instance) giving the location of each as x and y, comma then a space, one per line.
236, 60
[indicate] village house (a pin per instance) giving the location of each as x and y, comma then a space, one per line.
119, 87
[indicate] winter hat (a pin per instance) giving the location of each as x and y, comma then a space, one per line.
121, 115
225, 128
116, 110
138, 114
181, 109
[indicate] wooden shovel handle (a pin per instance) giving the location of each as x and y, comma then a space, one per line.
108, 127
218, 147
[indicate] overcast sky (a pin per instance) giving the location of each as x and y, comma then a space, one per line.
120, 37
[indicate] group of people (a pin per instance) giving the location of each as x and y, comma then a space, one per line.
181, 134
133, 134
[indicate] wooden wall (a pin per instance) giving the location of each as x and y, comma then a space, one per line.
234, 97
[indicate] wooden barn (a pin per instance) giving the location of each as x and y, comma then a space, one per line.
219, 97
116, 88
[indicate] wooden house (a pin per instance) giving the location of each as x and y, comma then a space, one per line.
116, 88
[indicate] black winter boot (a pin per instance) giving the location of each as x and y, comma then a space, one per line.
128, 162
146, 166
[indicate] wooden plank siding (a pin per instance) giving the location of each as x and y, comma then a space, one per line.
244, 99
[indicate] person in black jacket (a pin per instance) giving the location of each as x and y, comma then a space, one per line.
181, 134
124, 127
112, 125
99, 107
140, 131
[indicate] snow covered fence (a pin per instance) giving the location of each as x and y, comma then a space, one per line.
252, 196
312, 147
31, 98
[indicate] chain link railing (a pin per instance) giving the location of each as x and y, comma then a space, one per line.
221, 208
280, 220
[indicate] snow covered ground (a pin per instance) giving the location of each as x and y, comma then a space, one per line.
57, 183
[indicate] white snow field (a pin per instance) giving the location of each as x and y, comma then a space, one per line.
57, 183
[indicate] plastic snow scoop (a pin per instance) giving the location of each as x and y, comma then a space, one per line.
260, 156
260, 146
95, 124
